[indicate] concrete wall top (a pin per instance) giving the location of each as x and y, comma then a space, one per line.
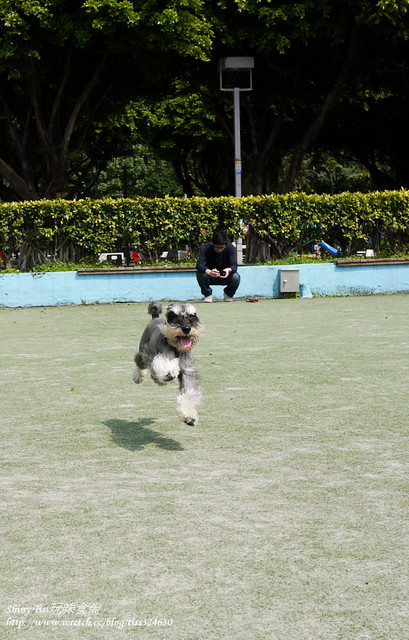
68, 287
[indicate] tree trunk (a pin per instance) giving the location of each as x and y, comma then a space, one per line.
257, 250
42, 154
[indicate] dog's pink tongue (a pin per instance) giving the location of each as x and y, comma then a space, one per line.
185, 342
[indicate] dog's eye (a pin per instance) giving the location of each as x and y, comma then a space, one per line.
192, 316
171, 316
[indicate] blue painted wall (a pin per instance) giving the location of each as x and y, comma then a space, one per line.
65, 288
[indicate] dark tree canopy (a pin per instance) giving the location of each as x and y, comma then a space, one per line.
67, 66
83, 80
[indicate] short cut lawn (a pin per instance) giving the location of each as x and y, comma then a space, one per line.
283, 515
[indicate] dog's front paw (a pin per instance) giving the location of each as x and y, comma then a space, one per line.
187, 408
164, 370
163, 379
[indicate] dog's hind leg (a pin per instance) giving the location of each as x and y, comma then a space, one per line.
190, 393
140, 371
139, 375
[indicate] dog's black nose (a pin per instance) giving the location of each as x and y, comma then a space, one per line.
186, 330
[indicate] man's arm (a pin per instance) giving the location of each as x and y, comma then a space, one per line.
201, 263
231, 258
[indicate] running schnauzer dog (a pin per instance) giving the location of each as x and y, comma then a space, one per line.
165, 350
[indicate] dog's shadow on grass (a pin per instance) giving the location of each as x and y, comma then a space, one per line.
135, 435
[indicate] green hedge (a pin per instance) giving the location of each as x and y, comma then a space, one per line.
349, 219
286, 222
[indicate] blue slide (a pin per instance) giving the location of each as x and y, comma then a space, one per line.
331, 250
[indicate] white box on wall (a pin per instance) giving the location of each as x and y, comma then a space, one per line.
289, 280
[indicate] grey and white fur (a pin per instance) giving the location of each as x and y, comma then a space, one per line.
165, 351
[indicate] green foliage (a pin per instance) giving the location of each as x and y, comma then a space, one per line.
141, 173
82, 79
68, 69
287, 222
323, 172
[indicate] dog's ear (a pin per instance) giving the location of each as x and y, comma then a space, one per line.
175, 308
191, 310
171, 314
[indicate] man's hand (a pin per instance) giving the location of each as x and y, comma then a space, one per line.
214, 273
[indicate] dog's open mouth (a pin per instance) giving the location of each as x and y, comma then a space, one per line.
185, 342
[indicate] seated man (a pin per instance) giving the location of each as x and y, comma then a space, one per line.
217, 265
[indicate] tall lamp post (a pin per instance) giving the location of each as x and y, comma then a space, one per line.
236, 75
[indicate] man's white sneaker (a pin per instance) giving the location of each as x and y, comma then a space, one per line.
227, 298
208, 299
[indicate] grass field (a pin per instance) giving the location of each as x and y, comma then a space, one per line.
282, 516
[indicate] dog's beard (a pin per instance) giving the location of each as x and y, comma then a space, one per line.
179, 340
